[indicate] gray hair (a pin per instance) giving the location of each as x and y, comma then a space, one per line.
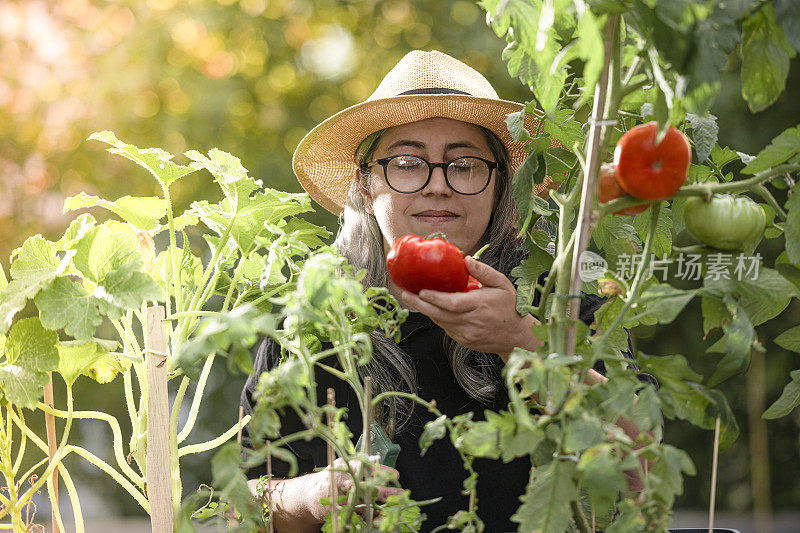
360, 240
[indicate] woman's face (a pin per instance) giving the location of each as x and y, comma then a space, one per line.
436, 208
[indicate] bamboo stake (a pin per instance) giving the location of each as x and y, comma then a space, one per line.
331, 459
52, 445
159, 482
584, 229
269, 488
713, 479
367, 443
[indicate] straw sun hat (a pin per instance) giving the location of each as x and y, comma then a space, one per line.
422, 85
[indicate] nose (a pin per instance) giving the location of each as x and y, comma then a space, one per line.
437, 184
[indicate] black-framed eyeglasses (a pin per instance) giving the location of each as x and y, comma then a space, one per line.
406, 173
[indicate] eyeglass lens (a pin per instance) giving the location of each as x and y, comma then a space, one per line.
467, 175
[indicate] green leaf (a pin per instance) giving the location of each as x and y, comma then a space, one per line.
86, 358
530, 173
252, 213
614, 229
229, 475
127, 288
779, 150
792, 226
665, 474
31, 353
516, 126
546, 503
565, 128
679, 394
19, 291
230, 333
789, 339
142, 213
558, 161
662, 243
75, 232
527, 274
788, 270
789, 399
723, 156
158, 162
581, 434
704, 134
765, 62
3, 278
106, 248
763, 298
67, 305
666, 302
601, 476
433, 431
480, 440
35, 257
718, 407
647, 409
737, 343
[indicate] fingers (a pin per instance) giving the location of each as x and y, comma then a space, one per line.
488, 276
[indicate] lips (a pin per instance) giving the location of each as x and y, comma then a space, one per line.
435, 213
435, 216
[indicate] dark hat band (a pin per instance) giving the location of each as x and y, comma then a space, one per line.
433, 90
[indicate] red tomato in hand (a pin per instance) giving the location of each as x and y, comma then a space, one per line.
609, 190
651, 171
473, 284
415, 263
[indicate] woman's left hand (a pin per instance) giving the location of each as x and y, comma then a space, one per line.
485, 319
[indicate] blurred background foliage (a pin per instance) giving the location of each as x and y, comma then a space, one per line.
251, 77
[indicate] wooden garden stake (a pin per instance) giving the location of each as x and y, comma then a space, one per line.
367, 442
159, 482
331, 459
713, 479
269, 488
593, 160
50, 424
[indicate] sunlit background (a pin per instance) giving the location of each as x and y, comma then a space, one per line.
251, 77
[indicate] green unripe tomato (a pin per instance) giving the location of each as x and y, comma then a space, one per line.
725, 222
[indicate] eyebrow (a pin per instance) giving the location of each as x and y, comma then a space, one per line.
421, 145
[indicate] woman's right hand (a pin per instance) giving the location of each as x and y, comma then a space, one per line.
321, 487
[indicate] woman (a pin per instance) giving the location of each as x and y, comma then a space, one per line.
428, 152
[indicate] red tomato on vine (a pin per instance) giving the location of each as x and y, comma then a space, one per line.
651, 171
609, 190
415, 263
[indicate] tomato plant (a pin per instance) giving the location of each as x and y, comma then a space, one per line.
725, 222
651, 170
415, 263
610, 190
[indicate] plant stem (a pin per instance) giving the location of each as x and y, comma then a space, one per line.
206, 284
196, 399
89, 456
580, 518
214, 443
173, 248
115, 430
764, 193
56, 458
637, 280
